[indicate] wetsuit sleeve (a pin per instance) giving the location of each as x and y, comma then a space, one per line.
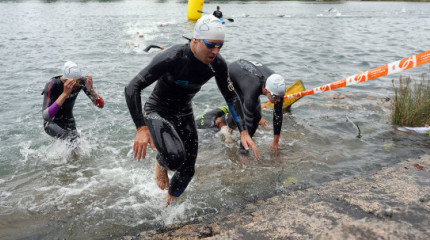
233, 102
159, 65
221, 111
151, 46
250, 104
97, 101
277, 117
50, 107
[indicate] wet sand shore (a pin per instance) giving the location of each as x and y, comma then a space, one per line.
392, 203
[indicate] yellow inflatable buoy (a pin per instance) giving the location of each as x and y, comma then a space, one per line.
193, 7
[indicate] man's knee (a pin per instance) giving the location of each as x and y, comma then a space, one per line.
171, 160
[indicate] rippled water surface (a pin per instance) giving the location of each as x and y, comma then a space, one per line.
46, 192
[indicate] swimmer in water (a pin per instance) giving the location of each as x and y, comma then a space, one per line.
153, 46
216, 120
251, 80
217, 13
59, 96
167, 121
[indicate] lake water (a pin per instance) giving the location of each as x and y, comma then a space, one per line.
46, 193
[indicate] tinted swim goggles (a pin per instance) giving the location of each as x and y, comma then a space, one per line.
211, 45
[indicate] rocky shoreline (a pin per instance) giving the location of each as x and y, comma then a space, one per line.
392, 203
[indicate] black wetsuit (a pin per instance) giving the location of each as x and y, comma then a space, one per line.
217, 14
151, 46
207, 120
62, 125
168, 110
248, 79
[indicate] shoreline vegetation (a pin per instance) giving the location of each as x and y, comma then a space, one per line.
411, 102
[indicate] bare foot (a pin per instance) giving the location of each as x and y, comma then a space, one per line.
161, 177
170, 198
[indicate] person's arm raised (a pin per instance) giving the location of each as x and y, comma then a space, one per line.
68, 87
50, 112
97, 99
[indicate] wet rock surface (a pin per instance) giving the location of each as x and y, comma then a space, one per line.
392, 203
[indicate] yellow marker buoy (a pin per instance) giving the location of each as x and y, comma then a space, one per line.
193, 7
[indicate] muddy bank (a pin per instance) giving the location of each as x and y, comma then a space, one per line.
392, 203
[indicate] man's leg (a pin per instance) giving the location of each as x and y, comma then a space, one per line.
184, 173
161, 177
162, 180
171, 154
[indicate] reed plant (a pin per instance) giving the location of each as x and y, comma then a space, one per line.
411, 104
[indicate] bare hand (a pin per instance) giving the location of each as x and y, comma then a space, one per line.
140, 143
247, 141
275, 144
264, 123
89, 82
68, 86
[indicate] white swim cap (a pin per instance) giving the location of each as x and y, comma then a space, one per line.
71, 70
209, 27
275, 84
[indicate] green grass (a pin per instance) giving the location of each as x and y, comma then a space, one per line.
411, 104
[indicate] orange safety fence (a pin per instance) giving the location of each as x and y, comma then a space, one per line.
394, 67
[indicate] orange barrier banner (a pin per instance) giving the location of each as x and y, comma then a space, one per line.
394, 67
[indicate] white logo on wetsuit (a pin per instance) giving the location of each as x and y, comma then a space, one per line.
230, 83
256, 63
73, 95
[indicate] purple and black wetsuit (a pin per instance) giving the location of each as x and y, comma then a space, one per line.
58, 121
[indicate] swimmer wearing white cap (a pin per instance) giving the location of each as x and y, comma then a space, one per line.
251, 80
208, 38
60, 94
166, 122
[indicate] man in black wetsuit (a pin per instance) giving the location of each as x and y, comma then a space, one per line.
217, 13
216, 120
250, 80
167, 122
60, 94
